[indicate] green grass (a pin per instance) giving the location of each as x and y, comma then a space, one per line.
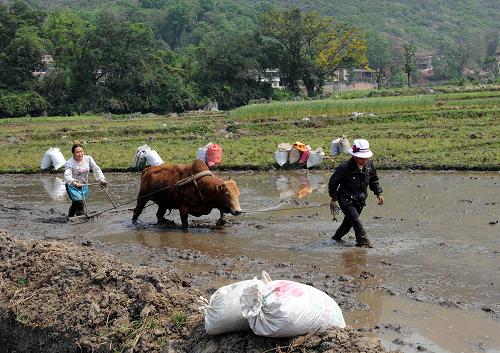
432, 131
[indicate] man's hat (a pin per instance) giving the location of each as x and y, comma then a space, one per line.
361, 149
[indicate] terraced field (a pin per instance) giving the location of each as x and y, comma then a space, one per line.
421, 131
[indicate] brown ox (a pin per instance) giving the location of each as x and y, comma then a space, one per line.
190, 188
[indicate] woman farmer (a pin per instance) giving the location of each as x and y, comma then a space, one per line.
76, 171
348, 186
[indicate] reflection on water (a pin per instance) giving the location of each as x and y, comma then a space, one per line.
54, 186
293, 186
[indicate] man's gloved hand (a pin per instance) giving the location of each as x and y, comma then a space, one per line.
380, 200
333, 206
77, 184
104, 183
334, 209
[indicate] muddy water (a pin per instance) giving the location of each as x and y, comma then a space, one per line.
436, 261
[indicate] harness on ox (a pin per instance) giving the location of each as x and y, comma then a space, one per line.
193, 179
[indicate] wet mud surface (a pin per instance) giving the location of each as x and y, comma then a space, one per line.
430, 284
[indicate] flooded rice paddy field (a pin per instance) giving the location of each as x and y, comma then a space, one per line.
431, 282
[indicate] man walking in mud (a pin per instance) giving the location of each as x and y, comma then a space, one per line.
348, 186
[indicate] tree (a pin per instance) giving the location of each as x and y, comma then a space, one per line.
69, 37
21, 47
454, 55
381, 57
409, 61
345, 48
180, 18
307, 47
227, 69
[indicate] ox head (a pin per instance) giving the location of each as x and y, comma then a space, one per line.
229, 194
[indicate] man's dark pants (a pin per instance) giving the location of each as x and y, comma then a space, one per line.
352, 211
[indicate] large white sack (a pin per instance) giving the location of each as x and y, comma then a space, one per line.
202, 152
281, 157
287, 309
223, 311
140, 156
46, 162
57, 158
334, 147
153, 158
344, 145
293, 155
315, 157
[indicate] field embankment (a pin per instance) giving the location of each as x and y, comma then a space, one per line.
59, 297
431, 131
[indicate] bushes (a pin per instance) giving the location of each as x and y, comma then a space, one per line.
21, 104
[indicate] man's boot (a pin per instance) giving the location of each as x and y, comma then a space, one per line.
362, 240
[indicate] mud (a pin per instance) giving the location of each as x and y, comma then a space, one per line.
430, 283
58, 297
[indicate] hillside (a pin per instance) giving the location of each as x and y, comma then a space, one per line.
422, 22
419, 21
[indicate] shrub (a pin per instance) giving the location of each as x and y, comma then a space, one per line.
21, 104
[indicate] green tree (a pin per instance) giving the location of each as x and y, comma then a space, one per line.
69, 37
227, 70
454, 55
21, 47
409, 61
181, 16
307, 47
381, 57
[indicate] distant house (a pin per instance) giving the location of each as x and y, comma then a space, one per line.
272, 76
46, 65
423, 61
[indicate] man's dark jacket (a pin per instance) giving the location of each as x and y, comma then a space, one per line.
348, 184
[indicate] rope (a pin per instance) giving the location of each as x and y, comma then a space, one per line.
285, 209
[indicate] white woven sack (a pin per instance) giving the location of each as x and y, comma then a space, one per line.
287, 309
202, 152
334, 147
46, 162
315, 157
153, 158
223, 311
293, 155
57, 158
281, 157
344, 145
140, 159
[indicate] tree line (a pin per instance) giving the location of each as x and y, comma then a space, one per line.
182, 57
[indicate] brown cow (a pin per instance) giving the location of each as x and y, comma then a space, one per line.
197, 193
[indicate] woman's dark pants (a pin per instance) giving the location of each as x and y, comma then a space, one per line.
76, 209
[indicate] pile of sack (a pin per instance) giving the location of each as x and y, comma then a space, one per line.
211, 154
52, 159
340, 145
270, 308
145, 155
298, 153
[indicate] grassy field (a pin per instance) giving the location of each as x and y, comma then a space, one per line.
431, 131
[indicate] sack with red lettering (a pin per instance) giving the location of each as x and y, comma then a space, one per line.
287, 309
